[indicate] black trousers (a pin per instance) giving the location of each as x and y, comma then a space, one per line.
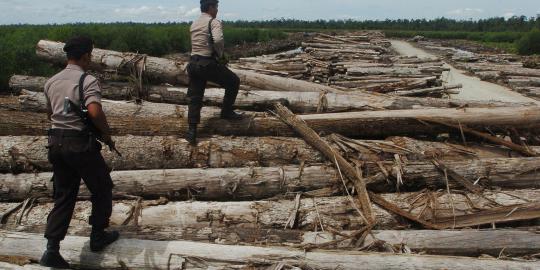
74, 158
201, 70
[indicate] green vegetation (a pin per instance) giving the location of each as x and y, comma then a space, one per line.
498, 24
529, 43
474, 36
17, 42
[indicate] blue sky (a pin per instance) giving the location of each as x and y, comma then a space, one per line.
66, 11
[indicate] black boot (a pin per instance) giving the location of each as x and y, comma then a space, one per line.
191, 134
99, 239
52, 257
231, 115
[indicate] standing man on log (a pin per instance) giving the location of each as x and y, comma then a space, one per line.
207, 64
73, 105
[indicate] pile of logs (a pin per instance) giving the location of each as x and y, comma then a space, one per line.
504, 69
354, 61
318, 176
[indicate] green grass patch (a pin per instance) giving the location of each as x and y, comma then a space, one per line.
17, 42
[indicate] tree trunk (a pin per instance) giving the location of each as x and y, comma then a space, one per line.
166, 119
303, 102
329, 212
201, 184
145, 254
362, 71
158, 69
429, 91
10, 266
265, 182
467, 242
499, 172
164, 70
28, 153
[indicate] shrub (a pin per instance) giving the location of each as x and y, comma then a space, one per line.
529, 43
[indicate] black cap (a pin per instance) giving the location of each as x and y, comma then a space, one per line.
209, 2
79, 46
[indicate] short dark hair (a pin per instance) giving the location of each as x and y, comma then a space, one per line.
78, 46
206, 7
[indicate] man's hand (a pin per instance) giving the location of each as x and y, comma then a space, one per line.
96, 114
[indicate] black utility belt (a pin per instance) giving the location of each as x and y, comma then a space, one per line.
68, 133
197, 58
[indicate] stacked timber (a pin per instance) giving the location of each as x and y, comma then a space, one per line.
355, 176
359, 60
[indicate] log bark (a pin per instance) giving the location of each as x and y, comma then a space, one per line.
265, 182
173, 72
302, 102
512, 242
332, 212
28, 153
429, 91
159, 69
200, 184
145, 254
166, 119
9, 266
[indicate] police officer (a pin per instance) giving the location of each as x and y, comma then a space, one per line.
75, 153
207, 46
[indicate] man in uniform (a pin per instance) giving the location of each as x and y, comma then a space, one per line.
75, 153
207, 48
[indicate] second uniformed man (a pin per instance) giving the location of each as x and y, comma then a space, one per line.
207, 47
75, 153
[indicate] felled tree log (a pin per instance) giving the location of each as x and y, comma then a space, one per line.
265, 182
202, 184
166, 119
507, 173
10, 266
28, 153
513, 242
332, 212
160, 69
429, 91
173, 72
145, 254
302, 102
360, 71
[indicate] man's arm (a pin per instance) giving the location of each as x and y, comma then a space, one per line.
95, 111
219, 41
96, 114
49, 109
47, 101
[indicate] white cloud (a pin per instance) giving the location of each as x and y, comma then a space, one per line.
509, 15
192, 13
156, 13
466, 12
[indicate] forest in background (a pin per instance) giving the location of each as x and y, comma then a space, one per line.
17, 42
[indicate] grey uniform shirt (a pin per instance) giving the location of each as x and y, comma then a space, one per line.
200, 36
66, 84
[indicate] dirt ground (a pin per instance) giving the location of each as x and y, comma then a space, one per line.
473, 87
